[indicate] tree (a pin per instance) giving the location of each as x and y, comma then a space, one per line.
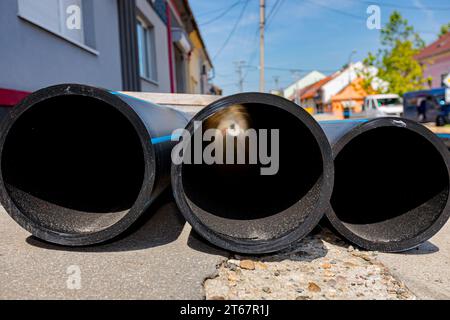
395, 60
367, 75
444, 29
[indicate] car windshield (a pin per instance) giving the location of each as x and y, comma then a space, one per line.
389, 102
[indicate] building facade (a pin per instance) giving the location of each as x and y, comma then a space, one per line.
133, 45
436, 59
318, 97
300, 84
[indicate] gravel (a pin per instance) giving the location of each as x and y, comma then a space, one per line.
321, 267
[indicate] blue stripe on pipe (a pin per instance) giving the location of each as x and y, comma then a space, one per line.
443, 135
161, 139
165, 139
154, 140
344, 121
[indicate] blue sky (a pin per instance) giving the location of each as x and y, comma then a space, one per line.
303, 34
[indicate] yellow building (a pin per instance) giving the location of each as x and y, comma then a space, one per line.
192, 63
199, 65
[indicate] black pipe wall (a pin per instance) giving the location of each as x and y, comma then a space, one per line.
79, 165
392, 179
236, 207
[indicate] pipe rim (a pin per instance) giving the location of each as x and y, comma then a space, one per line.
143, 199
262, 246
407, 244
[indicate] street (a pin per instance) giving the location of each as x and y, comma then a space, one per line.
164, 260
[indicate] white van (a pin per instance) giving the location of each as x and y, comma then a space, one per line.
382, 105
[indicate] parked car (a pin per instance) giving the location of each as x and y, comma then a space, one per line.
428, 106
382, 105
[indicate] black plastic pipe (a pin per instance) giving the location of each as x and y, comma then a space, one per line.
236, 207
392, 179
80, 164
445, 137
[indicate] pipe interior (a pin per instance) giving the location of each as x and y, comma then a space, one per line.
73, 164
391, 184
235, 200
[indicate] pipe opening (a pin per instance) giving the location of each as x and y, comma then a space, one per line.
73, 164
391, 184
238, 202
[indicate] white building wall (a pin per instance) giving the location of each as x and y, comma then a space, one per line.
162, 52
346, 77
302, 83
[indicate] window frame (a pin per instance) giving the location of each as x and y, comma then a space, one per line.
149, 45
59, 32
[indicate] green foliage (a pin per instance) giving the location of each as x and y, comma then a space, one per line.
367, 76
398, 30
444, 29
401, 70
395, 60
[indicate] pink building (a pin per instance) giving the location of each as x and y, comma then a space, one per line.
436, 57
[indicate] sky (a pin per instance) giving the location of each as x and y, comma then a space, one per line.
300, 34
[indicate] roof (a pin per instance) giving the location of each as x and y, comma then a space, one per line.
439, 46
311, 91
303, 82
195, 25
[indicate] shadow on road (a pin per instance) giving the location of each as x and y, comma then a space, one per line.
160, 225
424, 248
325, 230
196, 242
308, 249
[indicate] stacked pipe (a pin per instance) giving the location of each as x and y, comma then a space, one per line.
79, 165
391, 190
238, 208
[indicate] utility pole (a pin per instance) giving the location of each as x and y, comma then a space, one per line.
262, 27
296, 76
276, 79
350, 66
239, 65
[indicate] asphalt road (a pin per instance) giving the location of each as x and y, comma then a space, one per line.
426, 269
161, 260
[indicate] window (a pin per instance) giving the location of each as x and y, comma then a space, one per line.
389, 102
66, 18
147, 52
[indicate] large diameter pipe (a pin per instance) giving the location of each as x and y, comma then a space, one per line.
392, 179
79, 164
237, 208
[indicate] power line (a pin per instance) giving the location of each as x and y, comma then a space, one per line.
354, 16
233, 30
225, 75
400, 6
289, 69
222, 14
239, 66
274, 7
207, 13
254, 51
274, 13
246, 33
336, 10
